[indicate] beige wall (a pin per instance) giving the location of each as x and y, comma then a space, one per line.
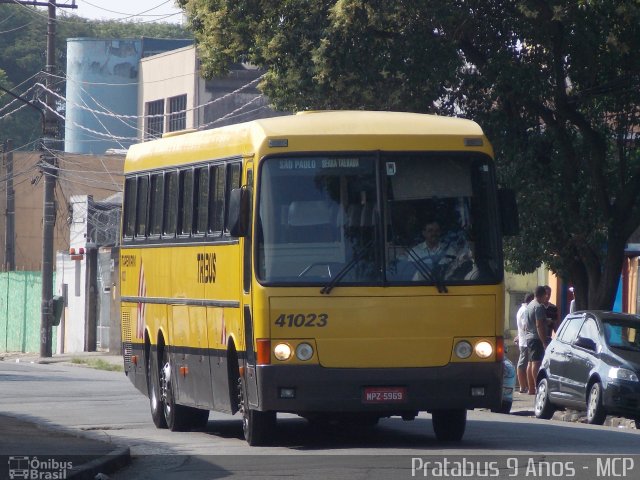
100, 176
167, 75
516, 286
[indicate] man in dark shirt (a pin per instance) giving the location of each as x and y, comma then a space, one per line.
552, 314
535, 334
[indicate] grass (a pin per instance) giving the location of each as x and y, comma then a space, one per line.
98, 364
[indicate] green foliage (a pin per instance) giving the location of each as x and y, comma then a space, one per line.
23, 55
554, 83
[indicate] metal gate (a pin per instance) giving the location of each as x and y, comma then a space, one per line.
105, 269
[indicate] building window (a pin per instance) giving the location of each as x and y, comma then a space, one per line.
177, 113
154, 119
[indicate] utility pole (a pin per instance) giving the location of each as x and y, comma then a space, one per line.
49, 161
10, 236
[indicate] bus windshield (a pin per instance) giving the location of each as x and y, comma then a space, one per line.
378, 219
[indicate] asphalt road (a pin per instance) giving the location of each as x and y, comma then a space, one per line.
104, 405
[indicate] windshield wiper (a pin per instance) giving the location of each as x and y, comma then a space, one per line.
427, 272
346, 269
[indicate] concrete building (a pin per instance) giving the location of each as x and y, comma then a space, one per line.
102, 90
99, 176
173, 96
87, 276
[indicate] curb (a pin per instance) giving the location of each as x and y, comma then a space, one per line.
109, 463
580, 417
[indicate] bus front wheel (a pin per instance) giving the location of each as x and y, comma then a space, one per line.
449, 425
257, 426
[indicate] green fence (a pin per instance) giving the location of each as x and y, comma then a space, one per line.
20, 297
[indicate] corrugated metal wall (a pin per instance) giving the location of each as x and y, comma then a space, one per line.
20, 297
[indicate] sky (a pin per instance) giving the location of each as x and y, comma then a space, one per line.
154, 10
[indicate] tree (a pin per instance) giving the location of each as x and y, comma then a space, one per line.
554, 83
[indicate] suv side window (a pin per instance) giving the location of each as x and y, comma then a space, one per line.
590, 330
570, 331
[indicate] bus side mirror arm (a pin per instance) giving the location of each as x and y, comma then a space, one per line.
240, 211
508, 212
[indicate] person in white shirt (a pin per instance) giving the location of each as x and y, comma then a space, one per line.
521, 322
442, 258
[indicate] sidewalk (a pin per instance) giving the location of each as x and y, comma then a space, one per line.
523, 405
65, 358
25, 444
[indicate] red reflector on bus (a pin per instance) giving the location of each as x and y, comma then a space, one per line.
499, 349
263, 354
184, 371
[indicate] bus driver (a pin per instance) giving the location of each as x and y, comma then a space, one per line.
443, 256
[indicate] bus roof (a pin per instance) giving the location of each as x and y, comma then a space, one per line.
311, 131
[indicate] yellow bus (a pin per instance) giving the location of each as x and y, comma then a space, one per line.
341, 266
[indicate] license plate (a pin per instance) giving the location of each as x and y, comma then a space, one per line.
384, 395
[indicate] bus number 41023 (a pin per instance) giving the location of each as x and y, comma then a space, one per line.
302, 320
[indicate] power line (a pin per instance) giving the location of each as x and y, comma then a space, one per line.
146, 82
82, 127
232, 113
30, 7
131, 15
159, 115
17, 28
15, 99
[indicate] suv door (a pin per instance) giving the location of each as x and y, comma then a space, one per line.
560, 354
578, 369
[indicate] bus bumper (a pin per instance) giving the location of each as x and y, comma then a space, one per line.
319, 389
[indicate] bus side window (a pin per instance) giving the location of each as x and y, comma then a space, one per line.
216, 207
156, 205
186, 202
129, 223
234, 174
142, 204
170, 220
202, 200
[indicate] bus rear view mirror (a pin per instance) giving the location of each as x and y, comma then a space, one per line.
240, 211
508, 212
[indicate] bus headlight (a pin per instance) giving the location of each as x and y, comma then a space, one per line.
463, 349
304, 352
484, 349
282, 352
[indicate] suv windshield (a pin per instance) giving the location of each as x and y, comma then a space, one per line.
378, 219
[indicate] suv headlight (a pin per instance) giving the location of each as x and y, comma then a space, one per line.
623, 374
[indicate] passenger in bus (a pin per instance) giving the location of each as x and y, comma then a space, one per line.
445, 256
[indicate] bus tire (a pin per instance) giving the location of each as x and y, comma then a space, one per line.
449, 425
199, 418
178, 417
258, 427
505, 407
155, 400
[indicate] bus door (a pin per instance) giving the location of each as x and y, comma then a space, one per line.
247, 304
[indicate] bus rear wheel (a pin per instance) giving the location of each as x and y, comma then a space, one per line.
449, 425
155, 401
257, 426
178, 417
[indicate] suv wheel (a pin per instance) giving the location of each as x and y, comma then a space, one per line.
543, 409
595, 410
